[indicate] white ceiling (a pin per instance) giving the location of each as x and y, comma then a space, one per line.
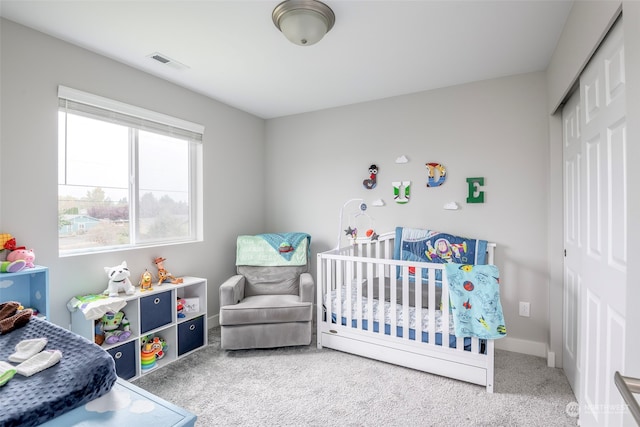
377, 49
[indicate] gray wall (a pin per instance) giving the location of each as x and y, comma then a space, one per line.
32, 67
496, 129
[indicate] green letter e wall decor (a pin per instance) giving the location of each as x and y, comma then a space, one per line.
475, 195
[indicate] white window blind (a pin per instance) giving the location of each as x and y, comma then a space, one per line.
95, 106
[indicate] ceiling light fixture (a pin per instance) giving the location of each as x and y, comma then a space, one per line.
303, 22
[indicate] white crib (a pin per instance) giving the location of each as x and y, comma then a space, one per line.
362, 285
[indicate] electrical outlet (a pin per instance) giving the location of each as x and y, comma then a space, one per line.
524, 309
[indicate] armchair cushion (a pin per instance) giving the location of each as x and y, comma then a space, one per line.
261, 309
271, 280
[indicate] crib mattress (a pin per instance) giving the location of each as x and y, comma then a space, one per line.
388, 312
84, 373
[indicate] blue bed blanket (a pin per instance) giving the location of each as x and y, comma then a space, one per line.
85, 372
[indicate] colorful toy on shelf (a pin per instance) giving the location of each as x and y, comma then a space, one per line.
145, 281
98, 333
12, 252
119, 280
6, 240
115, 327
180, 308
23, 254
147, 357
152, 350
163, 274
12, 267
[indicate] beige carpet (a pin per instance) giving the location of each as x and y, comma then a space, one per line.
304, 386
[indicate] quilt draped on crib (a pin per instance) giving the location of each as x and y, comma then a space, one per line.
474, 294
422, 245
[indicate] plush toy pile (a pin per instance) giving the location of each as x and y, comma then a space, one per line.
14, 258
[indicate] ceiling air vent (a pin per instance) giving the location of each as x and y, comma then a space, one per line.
165, 60
159, 58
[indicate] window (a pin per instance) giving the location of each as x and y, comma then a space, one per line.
127, 177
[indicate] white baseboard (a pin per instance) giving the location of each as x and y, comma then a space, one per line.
551, 359
516, 345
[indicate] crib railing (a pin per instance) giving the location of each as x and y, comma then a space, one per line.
357, 272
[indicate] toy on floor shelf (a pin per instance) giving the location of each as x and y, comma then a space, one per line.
180, 308
23, 254
119, 280
13, 267
113, 327
152, 350
145, 281
163, 274
15, 255
147, 358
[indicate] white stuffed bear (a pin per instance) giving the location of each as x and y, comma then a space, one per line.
119, 280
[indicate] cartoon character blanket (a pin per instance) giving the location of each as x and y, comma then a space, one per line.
475, 300
274, 249
423, 245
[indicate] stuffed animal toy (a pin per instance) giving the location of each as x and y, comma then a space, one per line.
115, 327
180, 308
145, 281
119, 280
21, 253
12, 267
163, 274
98, 336
6, 241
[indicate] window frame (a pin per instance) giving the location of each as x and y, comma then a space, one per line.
139, 119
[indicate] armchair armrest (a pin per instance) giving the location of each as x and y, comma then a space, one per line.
232, 291
306, 287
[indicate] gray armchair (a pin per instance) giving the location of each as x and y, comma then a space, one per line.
267, 306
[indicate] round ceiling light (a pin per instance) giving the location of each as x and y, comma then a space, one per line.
303, 22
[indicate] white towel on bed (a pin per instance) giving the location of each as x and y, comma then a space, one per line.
39, 362
25, 349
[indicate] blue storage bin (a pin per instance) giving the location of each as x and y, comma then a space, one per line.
155, 311
125, 358
190, 335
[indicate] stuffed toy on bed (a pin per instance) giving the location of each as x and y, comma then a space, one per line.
119, 280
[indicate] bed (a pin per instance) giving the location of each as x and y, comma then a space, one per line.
85, 372
378, 299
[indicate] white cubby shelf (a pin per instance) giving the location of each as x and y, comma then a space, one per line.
154, 312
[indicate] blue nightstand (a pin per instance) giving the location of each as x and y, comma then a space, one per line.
126, 405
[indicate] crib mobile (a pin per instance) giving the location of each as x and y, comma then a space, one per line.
357, 220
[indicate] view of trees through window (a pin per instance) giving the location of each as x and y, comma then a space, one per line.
105, 166
100, 221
